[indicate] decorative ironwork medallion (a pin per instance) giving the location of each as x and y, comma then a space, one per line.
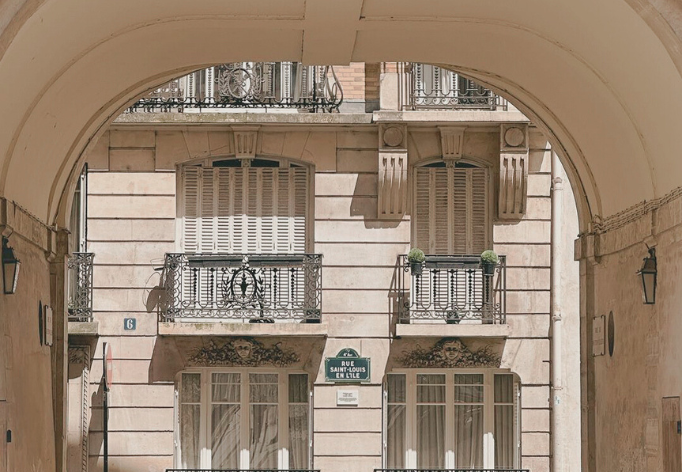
243, 352
244, 287
449, 352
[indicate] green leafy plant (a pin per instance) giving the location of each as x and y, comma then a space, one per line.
489, 257
416, 255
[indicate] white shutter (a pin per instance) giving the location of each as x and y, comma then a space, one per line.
208, 212
267, 209
283, 207
421, 214
190, 208
225, 197
238, 212
299, 209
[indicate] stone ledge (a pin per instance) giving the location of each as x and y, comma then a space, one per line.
79, 328
455, 116
443, 330
242, 329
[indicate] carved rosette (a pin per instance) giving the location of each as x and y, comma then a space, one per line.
449, 353
513, 171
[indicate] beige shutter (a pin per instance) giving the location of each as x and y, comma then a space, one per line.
459, 198
208, 212
479, 210
190, 208
422, 209
299, 209
283, 207
267, 209
225, 219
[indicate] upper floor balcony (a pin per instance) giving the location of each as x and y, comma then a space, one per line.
248, 85
239, 288
428, 87
79, 300
452, 289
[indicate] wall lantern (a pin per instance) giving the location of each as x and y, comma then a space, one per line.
649, 273
10, 268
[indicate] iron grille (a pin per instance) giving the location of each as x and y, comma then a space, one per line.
452, 289
248, 85
254, 288
80, 286
432, 87
241, 470
474, 469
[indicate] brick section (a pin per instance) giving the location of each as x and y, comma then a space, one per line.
352, 80
372, 74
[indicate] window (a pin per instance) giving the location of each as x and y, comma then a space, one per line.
451, 210
241, 419
229, 207
451, 419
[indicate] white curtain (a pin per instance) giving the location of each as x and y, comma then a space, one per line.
430, 421
469, 420
190, 420
298, 421
263, 398
504, 421
396, 421
225, 420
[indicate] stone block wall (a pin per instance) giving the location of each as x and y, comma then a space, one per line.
131, 224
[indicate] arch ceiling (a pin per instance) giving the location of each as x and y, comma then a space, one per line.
603, 78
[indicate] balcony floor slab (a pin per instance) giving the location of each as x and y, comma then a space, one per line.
442, 330
80, 328
242, 329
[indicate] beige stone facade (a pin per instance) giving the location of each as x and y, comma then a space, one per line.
134, 218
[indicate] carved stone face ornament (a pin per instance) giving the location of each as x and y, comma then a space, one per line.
449, 353
452, 350
243, 348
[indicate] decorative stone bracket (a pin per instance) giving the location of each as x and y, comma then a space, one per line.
451, 142
392, 183
245, 141
513, 193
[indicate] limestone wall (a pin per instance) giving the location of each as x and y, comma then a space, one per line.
131, 211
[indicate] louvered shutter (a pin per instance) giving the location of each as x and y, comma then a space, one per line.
225, 219
208, 212
266, 181
479, 210
451, 210
190, 208
299, 209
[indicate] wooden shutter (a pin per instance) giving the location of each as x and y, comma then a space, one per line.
451, 210
245, 210
190, 208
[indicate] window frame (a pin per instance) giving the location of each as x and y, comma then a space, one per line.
208, 163
205, 414
410, 459
489, 204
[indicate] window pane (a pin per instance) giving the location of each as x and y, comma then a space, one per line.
504, 436
190, 389
263, 434
298, 388
263, 388
225, 387
430, 436
469, 379
189, 436
469, 436
225, 436
468, 394
298, 436
396, 388
504, 388
430, 388
395, 440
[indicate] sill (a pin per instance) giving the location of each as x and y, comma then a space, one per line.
242, 329
84, 328
443, 330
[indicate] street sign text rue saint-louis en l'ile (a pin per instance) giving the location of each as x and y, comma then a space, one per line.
347, 366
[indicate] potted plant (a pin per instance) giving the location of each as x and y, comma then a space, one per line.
488, 261
416, 259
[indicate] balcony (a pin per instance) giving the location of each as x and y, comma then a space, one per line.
241, 470
242, 289
452, 290
248, 85
427, 87
453, 470
79, 304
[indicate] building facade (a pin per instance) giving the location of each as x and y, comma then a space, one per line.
242, 250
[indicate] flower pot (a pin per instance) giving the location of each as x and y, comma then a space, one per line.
488, 268
416, 268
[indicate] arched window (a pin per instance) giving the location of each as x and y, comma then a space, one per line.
451, 212
244, 207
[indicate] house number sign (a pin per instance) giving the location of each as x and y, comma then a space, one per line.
347, 366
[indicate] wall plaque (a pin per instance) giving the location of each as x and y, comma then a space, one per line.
347, 366
347, 398
598, 335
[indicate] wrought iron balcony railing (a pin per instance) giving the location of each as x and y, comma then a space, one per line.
79, 304
241, 470
452, 289
470, 469
248, 85
253, 288
432, 87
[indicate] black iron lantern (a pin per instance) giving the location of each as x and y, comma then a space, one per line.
10, 268
648, 272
